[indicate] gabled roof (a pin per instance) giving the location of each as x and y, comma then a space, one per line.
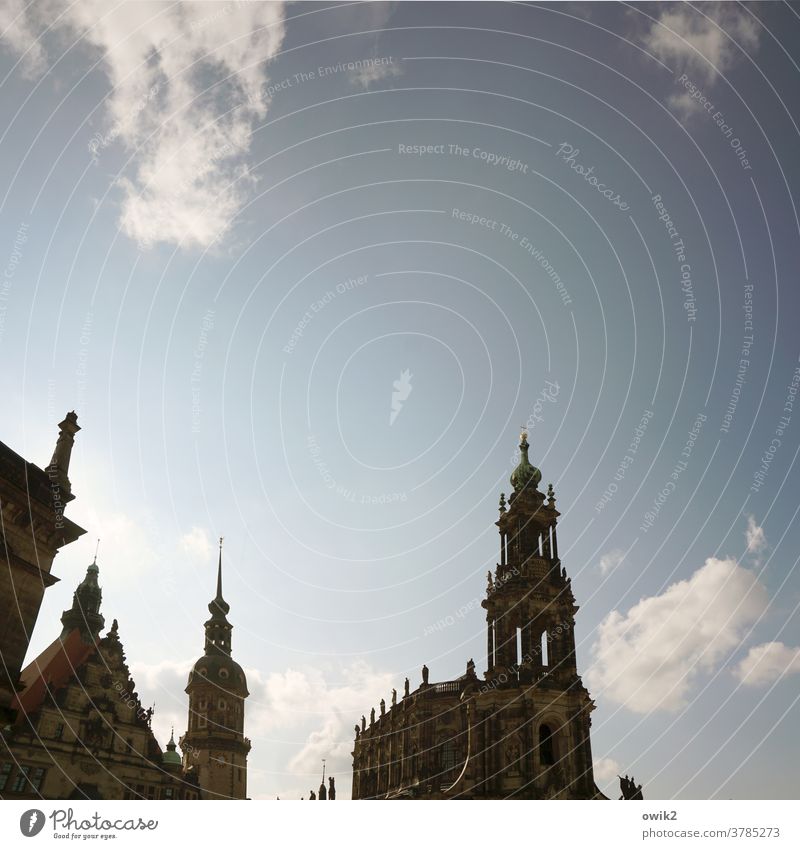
52, 670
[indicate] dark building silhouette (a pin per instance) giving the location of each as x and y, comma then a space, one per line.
522, 731
215, 745
72, 725
33, 529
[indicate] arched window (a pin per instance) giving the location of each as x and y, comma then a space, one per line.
547, 755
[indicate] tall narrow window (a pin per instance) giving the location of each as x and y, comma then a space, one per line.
519, 646
448, 755
546, 749
545, 659
20, 780
36, 778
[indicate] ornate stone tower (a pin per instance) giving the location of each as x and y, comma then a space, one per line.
214, 745
530, 616
84, 615
522, 732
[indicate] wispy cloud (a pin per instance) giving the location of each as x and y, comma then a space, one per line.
756, 540
374, 72
188, 178
705, 41
610, 561
701, 43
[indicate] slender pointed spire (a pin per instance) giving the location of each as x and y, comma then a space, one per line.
219, 570
218, 629
218, 604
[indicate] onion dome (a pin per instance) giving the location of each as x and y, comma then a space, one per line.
525, 474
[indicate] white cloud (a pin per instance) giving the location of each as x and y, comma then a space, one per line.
606, 770
648, 658
197, 543
16, 30
175, 71
702, 42
768, 662
322, 714
756, 540
304, 704
610, 560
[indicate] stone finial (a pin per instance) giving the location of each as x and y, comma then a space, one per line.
363, 723
502, 503
406, 688
383, 706
425, 672
59, 464
372, 717
394, 697
551, 495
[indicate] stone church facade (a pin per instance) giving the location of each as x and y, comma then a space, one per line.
521, 732
72, 725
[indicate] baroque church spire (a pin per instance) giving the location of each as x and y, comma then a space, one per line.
218, 629
85, 611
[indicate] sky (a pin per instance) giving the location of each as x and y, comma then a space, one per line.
304, 270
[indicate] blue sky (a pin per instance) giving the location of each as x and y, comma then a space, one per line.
304, 270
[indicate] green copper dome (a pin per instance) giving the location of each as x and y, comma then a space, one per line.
525, 474
171, 757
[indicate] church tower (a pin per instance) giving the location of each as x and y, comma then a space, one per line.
214, 745
523, 731
530, 616
84, 615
